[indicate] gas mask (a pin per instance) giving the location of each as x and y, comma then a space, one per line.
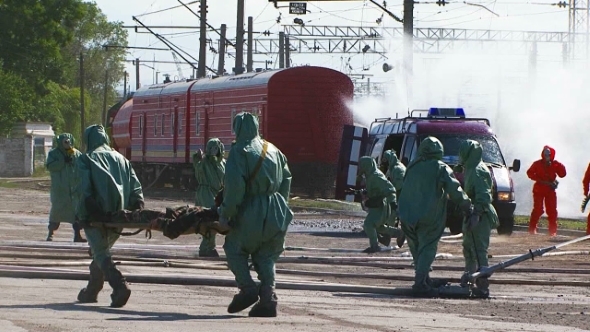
215, 151
547, 155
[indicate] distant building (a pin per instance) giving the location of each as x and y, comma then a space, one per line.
42, 134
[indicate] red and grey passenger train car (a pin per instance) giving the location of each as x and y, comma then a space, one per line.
301, 110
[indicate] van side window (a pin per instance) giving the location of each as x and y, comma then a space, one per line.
408, 147
377, 149
414, 151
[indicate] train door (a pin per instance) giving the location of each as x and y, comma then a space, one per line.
353, 146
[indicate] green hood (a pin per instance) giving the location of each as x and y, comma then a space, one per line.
61, 138
212, 143
431, 148
245, 127
391, 157
367, 165
470, 153
95, 136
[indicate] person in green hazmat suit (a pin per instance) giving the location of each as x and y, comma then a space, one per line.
395, 173
381, 203
108, 184
61, 164
256, 189
209, 172
423, 209
477, 229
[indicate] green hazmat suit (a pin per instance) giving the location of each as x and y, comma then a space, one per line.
395, 173
478, 186
380, 193
61, 164
423, 207
396, 170
107, 184
209, 172
255, 203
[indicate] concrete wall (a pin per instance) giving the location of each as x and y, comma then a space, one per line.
16, 157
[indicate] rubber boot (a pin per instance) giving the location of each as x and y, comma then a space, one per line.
244, 299
482, 287
384, 239
372, 249
121, 291
49, 236
78, 238
95, 284
401, 239
77, 235
421, 288
208, 253
267, 306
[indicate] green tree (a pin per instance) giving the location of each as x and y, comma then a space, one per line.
15, 100
32, 34
90, 35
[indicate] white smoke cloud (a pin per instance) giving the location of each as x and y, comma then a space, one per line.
527, 109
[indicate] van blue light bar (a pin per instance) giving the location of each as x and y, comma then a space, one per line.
435, 111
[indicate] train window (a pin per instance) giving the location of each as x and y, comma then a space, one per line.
180, 123
233, 116
197, 123
163, 124
155, 124
141, 126
172, 124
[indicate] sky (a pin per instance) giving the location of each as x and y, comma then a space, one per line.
497, 15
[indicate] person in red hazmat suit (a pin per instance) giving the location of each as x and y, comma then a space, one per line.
545, 172
586, 185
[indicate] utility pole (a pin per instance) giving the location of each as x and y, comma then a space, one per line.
104, 100
202, 40
249, 59
239, 69
287, 52
82, 111
137, 74
125, 85
408, 52
281, 49
221, 62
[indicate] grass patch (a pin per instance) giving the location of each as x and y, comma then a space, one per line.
562, 223
40, 172
325, 204
8, 184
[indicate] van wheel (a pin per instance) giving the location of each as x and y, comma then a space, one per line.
506, 226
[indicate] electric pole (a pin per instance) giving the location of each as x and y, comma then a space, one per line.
281, 49
125, 85
82, 111
249, 59
104, 100
202, 40
221, 63
287, 52
137, 74
239, 69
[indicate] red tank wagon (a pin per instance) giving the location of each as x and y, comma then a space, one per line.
301, 110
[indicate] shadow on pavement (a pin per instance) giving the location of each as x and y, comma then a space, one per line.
142, 315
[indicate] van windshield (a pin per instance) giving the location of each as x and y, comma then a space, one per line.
451, 144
